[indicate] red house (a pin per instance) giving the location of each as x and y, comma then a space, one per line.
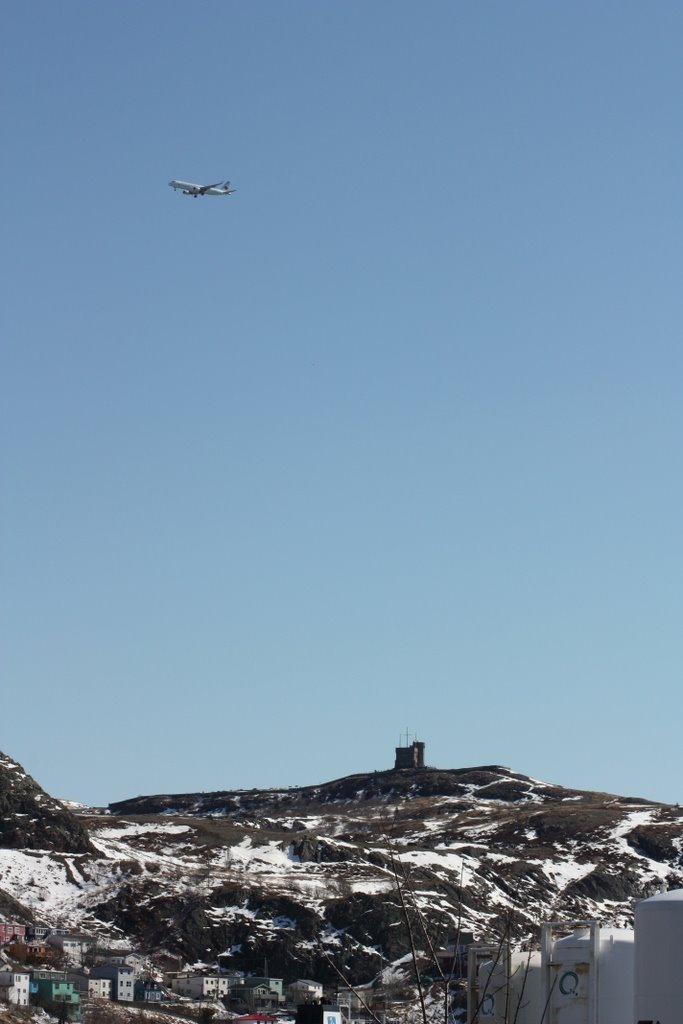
9, 932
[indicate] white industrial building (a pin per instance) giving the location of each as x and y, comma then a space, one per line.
585, 974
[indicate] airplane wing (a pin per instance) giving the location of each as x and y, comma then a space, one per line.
205, 188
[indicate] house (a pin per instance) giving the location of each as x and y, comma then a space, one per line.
72, 947
261, 993
303, 991
126, 958
37, 932
353, 1003
122, 980
351, 1000
14, 987
46, 974
85, 985
10, 932
29, 952
201, 986
100, 988
55, 993
274, 984
256, 994
148, 991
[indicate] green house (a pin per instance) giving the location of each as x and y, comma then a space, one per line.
57, 996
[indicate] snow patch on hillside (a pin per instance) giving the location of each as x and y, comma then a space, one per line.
131, 829
39, 881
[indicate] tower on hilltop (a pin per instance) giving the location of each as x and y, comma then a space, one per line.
412, 756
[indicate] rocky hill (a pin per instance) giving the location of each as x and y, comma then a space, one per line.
32, 820
313, 878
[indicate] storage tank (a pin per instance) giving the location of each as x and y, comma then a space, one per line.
505, 986
587, 974
658, 989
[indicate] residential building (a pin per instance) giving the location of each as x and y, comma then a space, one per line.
255, 994
127, 958
202, 986
85, 985
100, 988
148, 991
54, 992
72, 947
131, 958
37, 931
10, 932
14, 987
29, 952
274, 984
351, 1000
303, 991
260, 993
122, 980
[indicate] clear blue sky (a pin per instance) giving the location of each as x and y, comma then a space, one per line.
390, 438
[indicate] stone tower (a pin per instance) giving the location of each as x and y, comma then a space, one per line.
410, 757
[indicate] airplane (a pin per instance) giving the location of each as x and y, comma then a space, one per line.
219, 188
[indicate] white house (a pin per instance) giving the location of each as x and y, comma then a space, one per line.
128, 958
122, 981
85, 985
14, 987
74, 947
201, 986
303, 991
100, 988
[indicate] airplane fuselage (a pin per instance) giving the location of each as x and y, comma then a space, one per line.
188, 188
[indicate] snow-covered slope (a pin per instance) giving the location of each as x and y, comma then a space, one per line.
302, 875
